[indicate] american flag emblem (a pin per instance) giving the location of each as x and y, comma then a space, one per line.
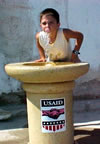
53, 117
53, 125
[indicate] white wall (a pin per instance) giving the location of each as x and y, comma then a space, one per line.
19, 21
85, 16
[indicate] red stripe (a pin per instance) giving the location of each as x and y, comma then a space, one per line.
50, 128
53, 128
57, 127
60, 126
46, 127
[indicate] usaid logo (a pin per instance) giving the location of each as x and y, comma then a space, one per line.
49, 103
53, 115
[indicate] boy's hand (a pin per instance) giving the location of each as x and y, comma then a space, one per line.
40, 60
75, 58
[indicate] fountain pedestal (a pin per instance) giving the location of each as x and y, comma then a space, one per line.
49, 88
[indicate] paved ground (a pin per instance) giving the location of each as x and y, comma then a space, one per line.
87, 135
86, 123
82, 135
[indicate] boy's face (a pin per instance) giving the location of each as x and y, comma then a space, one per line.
49, 24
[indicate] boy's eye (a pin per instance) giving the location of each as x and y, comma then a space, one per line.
51, 22
44, 23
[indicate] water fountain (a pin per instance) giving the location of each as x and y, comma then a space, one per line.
49, 87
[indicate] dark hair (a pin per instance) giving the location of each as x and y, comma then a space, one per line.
51, 12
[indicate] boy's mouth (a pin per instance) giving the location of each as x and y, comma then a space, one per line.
47, 30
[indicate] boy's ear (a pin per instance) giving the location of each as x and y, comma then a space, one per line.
58, 24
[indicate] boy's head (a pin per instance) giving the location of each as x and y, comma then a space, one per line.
50, 12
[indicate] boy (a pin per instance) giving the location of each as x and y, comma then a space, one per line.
53, 42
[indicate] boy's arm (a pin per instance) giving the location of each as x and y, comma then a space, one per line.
41, 51
79, 39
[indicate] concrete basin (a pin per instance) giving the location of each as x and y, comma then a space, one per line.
30, 72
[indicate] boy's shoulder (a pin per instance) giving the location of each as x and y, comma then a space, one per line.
66, 29
37, 35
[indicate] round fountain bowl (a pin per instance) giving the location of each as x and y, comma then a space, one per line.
46, 72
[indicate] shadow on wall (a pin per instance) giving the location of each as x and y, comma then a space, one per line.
13, 97
89, 86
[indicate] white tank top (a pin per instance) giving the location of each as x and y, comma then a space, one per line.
58, 50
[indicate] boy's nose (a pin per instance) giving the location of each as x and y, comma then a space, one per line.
47, 25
